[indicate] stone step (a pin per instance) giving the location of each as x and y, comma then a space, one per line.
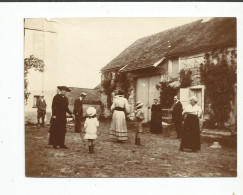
215, 132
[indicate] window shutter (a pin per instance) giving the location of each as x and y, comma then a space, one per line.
184, 96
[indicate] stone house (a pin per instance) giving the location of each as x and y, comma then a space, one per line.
161, 56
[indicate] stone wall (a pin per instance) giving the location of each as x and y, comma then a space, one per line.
193, 62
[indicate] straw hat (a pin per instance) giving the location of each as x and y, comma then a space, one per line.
84, 94
215, 145
139, 104
91, 111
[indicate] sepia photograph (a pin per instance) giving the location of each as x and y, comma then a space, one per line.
130, 97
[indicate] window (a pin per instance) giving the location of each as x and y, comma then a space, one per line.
173, 68
36, 97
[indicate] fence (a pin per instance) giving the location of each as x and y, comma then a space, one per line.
167, 115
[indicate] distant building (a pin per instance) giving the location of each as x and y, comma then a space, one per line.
92, 98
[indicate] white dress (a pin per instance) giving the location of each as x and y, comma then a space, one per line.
90, 126
118, 130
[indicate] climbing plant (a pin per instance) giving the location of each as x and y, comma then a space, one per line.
31, 62
168, 91
114, 81
219, 75
185, 78
167, 94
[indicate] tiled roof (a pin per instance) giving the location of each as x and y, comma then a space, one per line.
195, 36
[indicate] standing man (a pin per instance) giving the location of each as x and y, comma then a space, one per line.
59, 121
78, 111
177, 117
41, 110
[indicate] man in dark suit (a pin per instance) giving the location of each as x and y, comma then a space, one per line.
177, 117
59, 121
41, 110
78, 111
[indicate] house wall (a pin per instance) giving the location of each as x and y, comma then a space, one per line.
43, 45
193, 62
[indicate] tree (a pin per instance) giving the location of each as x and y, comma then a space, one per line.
31, 62
219, 79
167, 94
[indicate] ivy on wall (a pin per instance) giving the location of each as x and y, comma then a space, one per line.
167, 94
168, 91
219, 76
114, 81
185, 78
31, 62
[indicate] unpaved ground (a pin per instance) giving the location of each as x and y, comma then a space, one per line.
158, 157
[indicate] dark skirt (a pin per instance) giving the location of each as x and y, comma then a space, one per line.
156, 125
191, 133
156, 119
57, 134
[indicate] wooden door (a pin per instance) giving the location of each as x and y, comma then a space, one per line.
146, 92
184, 97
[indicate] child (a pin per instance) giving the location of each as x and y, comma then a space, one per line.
139, 118
90, 127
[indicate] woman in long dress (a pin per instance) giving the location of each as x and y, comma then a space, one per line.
156, 118
191, 131
120, 108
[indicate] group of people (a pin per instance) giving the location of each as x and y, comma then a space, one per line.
120, 108
189, 132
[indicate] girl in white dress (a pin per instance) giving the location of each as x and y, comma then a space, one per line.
90, 127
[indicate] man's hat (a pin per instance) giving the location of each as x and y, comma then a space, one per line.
83, 94
215, 145
91, 111
139, 104
64, 88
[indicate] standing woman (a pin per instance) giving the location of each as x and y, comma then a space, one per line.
58, 120
156, 118
120, 108
191, 132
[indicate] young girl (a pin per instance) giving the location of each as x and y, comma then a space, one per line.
139, 118
90, 127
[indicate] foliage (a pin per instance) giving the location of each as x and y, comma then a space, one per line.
167, 94
118, 81
31, 62
107, 86
219, 77
185, 78
122, 82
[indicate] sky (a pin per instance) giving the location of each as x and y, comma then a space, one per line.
88, 44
